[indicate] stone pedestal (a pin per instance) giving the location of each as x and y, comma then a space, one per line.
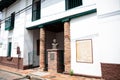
55, 60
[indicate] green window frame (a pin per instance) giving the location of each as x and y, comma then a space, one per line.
36, 6
9, 22
69, 4
9, 49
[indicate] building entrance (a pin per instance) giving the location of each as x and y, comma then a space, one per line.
54, 31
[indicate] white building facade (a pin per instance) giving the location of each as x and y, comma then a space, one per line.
87, 31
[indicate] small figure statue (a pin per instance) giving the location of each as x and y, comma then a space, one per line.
54, 44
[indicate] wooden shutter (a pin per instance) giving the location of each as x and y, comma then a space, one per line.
9, 23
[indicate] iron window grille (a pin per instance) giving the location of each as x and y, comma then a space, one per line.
36, 9
72, 3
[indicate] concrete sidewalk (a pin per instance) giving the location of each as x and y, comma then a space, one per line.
44, 75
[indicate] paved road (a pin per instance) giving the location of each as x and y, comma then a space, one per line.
4, 75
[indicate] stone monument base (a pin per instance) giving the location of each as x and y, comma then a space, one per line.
55, 60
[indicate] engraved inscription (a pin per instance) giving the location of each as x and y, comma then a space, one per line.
52, 56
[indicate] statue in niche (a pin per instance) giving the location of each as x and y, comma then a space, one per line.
54, 44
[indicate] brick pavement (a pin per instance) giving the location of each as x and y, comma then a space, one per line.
50, 76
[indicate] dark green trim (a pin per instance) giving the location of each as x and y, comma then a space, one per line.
33, 27
40, 26
67, 18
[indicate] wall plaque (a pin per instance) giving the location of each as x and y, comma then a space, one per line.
84, 51
51, 56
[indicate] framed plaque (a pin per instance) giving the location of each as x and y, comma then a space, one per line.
84, 51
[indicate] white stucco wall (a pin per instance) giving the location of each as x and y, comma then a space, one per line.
18, 31
107, 6
85, 28
52, 7
109, 39
4, 35
18, 36
36, 36
28, 47
88, 2
104, 33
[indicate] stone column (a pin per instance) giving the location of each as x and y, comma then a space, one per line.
42, 48
67, 48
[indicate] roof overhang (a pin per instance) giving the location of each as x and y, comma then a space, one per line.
5, 3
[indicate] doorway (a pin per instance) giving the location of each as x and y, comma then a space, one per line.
54, 31
36, 48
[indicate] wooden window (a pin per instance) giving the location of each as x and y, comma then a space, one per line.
9, 22
72, 3
36, 9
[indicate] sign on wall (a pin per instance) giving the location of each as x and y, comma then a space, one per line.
84, 51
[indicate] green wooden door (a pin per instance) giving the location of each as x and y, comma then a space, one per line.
9, 48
